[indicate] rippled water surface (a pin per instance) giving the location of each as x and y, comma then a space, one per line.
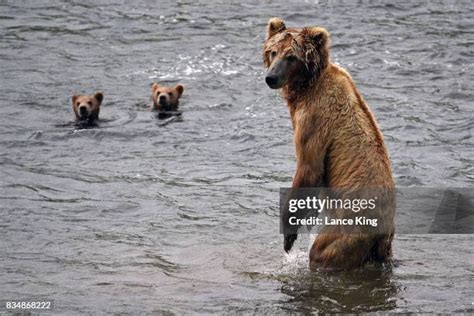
137, 216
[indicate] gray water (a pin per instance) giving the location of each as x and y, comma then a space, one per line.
136, 216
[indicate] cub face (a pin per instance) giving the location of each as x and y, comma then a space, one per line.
87, 107
166, 98
294, 55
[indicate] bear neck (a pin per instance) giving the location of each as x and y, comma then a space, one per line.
297, 90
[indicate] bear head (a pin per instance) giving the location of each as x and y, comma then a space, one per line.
294, 56
166, 98
87, 107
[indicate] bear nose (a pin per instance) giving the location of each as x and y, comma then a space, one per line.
271, 80
82, 109
162, 97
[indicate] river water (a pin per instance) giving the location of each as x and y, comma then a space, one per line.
136, 216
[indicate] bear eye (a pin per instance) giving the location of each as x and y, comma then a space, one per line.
89, 102
273, 54
77, 103
170, 94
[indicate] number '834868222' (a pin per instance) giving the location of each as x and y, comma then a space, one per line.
27, 304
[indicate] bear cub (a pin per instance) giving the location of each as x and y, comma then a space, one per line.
166, 99
87, 107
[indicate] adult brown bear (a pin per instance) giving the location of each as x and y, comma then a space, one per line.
337, 141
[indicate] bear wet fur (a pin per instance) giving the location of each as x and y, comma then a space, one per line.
87, 107
338, 143
166, 99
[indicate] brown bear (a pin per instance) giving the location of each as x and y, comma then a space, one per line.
337, 141
87, 107
166, 99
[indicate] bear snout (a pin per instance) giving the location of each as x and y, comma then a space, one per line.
83, 111
272, 81
164, 101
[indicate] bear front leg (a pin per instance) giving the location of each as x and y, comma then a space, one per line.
304, 177
311, 143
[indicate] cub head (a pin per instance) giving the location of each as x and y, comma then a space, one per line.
87, 107
294, 55
166, 98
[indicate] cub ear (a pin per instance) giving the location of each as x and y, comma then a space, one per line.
74, 99
99, 96
274, 26
180, 89
317, 35
154, 86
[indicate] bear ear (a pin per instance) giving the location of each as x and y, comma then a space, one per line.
274, 26
317, 35
180, 89
154, 86
74, 99
99, 96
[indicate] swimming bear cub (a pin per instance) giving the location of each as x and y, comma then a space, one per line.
87, 107
166, 99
